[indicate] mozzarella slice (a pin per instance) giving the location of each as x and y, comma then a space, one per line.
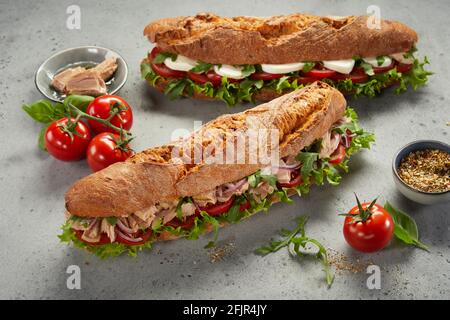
229, 71
374, 63
282, 68
400, 58
341, 66
181, 63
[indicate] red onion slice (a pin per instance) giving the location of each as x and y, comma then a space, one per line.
123, 227
128, 238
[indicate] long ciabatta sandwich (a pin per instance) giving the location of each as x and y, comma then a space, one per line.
195, 184
248, 58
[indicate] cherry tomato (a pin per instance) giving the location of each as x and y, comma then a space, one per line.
296, 179
164, 71
372, 234
200, 78
185, 224
404, 68
320, 73
101, 107
145, 235
67, 144
378, 70
104, 239
338, 155
106, 149
218, 208
265, 76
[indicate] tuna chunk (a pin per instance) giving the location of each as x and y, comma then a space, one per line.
86, 83
59, 82
107, 68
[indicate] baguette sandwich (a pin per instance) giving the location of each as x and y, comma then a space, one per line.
185, 188
247, 58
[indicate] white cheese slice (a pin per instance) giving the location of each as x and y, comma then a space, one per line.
400, 58
181, 63
341, 66
229, 71
374, 63
282, 68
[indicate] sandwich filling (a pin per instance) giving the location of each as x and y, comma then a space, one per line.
232, 84
189, 217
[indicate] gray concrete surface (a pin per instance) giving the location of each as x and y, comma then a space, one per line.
32, 261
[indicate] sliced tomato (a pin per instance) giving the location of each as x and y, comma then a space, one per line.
185, 224
152, 55
244, 206
306, 80
162, 70
104, 239
218, 209
265, 76
320, 73
145, 235
338, 155
296, 179
378, 70
356, 77
216, 79
199, 78
404, 68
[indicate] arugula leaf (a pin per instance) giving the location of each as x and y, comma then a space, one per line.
216, 225
308, 159
405, 228
175, 89
296, 240
201, 67
160, 57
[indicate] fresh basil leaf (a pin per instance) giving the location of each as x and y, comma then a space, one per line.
41, 138
41, 111
160, 57
405, 228
247, 70
79, 102
201, 67
308, 66
367, 68
380, 60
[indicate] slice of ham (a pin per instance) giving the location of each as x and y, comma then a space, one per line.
86, 83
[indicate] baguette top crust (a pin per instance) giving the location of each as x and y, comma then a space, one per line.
162, 174
277, 39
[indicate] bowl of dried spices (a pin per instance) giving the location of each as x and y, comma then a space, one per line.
421, 171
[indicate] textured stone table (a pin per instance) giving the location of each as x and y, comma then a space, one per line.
32, 261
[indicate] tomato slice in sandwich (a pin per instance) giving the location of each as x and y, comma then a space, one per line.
319, 73
218, 208
404, 68
338, 155
265, 76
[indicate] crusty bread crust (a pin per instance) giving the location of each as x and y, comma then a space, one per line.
278, 39
159, 174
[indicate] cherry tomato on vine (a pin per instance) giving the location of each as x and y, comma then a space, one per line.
368, 227
67, 140
103, 107
107, 148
